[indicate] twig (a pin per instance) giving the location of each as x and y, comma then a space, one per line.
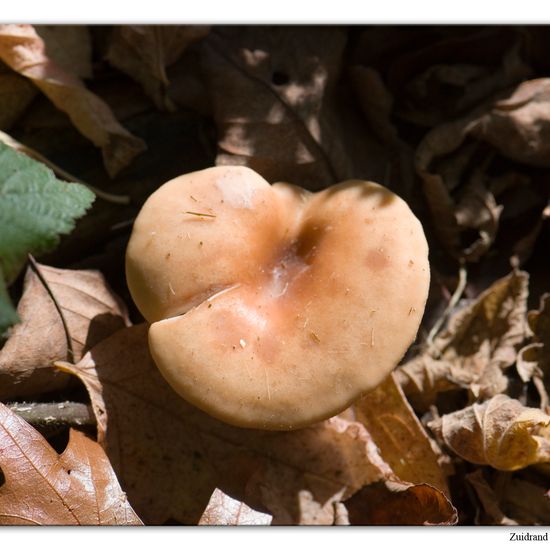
457, 294
14, 144
66, 413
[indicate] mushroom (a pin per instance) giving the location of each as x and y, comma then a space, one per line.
270, 306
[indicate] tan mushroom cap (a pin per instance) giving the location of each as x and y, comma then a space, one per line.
272, 307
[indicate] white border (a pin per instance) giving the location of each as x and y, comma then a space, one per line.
276, 11
267, 538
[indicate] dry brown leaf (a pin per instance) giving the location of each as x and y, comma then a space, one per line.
41, 487
282, 114
400, 503
457, 208
22, 49
479, 343
524, 501
441, 72
401, 438
375, 101
16, 94
224, 510
69, 46
463, 194
170, 456
533, 362
63, 314
499, 432
145, 51
519, 126
492, 513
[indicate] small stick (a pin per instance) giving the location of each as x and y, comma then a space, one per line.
66, 413
462, 278
18, 146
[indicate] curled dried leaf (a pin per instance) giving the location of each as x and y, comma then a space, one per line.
499, 432
533, 362
22, 49
472, 353
400, 503
519, 125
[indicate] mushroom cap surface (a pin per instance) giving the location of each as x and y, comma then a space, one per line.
272, 307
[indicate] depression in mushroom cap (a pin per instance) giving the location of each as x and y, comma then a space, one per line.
272, 307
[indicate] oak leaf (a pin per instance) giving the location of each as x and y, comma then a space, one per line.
63, 313
499, 432
41, 487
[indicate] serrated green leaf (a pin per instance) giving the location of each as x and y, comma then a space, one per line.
35, 209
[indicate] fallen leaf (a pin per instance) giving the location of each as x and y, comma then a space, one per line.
23, 50
36, 209
457, 206
499, 432
169, 456
77, 487
144, 52
224, 510
491, 512
283, 114
533, 362
479, 343
375, 100
442, 72
63, 313
401, 438
462, 177
69, 46
400, 503
519, 125
524, 501
16, 94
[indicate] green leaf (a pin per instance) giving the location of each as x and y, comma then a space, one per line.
8, 316
35, 209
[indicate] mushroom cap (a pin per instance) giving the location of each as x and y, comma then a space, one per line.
272, 307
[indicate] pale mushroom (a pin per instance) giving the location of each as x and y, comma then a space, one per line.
272, 307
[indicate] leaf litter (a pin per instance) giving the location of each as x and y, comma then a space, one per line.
453, 119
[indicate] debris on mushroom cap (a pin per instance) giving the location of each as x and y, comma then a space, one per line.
273, 307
